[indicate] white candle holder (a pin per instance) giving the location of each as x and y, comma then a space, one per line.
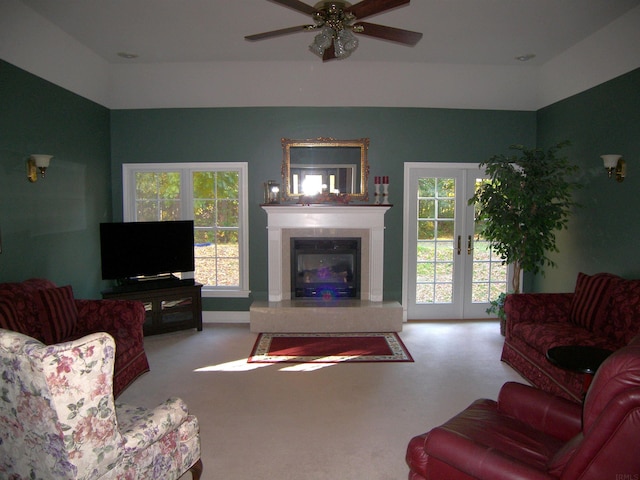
385, 194
377, 194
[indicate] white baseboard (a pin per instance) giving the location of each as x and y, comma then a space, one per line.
209, 316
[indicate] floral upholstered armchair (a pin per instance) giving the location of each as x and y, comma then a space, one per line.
58, 418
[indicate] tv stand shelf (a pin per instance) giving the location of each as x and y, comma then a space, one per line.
169, 308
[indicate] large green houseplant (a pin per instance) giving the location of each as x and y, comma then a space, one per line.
527, 198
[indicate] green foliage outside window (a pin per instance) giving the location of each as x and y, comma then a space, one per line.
157, 196
216, 215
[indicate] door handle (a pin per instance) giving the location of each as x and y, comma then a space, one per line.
459, 246
469, 248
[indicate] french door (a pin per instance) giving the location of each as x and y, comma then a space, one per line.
450, 271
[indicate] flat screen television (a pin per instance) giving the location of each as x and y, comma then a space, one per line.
146, 249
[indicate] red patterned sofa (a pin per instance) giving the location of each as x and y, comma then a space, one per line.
50, 314
603, 311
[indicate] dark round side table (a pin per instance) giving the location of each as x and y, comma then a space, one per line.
579, 358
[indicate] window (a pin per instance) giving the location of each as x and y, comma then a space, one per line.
214, 196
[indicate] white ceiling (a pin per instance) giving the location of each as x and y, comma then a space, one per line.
480, 32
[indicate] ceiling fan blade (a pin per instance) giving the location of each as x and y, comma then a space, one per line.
282, 31
399, 35
366, 8
297, 5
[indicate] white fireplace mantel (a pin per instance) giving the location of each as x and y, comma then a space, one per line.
324, 219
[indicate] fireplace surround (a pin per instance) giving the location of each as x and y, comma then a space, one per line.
283, 312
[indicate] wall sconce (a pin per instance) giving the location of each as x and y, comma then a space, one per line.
35, 163
615, 164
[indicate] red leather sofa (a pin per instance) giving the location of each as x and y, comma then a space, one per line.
532, 434
40, 309
603, 311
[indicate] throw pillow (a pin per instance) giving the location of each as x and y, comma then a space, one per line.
591, 300
58, 313
9, 317
624, 316
17, 311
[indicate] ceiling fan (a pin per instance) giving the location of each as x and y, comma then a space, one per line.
337, 21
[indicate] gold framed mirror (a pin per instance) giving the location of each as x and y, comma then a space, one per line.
325, 165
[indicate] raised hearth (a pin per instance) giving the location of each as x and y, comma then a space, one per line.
285, 313
315, 315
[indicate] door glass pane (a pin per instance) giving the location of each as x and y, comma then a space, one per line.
435, 242
489, 274
426, 229
426, 208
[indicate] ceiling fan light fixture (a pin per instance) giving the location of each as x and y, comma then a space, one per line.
322, 41
337, 21
336, 25
345, 43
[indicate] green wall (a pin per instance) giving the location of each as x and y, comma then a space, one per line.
50, 227
602, 234
253, 135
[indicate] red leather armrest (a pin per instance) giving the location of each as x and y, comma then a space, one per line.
544, 411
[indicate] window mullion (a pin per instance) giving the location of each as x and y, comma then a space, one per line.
128, 193
186, 194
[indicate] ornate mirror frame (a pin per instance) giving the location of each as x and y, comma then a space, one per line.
360, 184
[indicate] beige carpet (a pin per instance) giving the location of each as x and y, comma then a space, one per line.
319, 421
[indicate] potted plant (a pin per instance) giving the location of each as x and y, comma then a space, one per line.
527, 198
496, 307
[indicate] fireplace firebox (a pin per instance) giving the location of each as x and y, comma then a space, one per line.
325, 267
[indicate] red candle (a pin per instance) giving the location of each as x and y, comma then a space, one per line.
376, 180
385, 180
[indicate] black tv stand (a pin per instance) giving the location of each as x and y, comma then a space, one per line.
169, 306
151, 283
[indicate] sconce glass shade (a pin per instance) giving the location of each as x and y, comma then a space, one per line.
615, 165
42, 161
610, 161
37, 162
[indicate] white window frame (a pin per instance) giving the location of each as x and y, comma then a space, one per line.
186, 209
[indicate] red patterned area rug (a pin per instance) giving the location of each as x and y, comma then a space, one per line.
328, 348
